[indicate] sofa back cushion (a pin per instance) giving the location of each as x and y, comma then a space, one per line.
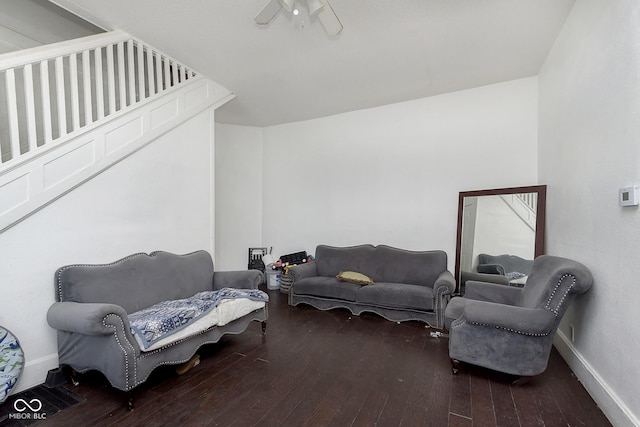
382, 263
331, 260
137, 281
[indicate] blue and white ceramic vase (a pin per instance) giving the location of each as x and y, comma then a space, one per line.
11, 362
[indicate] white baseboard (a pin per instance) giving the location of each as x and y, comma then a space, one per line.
606, 399
35, 372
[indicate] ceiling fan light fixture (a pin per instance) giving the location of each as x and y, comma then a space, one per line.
288, 5
315, 6
320, 8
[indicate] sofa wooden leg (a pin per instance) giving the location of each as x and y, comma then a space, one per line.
129, 400
455, 366
73, 375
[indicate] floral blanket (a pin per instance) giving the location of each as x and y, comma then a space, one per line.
162, 319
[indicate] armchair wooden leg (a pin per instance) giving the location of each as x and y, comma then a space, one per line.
521, 381
455, 366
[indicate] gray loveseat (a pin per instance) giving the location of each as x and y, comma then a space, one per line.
94, 302
408, 285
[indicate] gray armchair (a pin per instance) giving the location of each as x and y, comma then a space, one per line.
510, 329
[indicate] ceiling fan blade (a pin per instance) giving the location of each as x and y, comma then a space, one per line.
329, 20
268, 12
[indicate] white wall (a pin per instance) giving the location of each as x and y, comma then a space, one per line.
238, 194
391, 175
588, 148
159, 198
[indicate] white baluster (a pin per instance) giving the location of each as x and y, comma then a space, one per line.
46, 102
14, 132
111, 80
32, 136
141, 85
150, 79
86, 86
62, 109
122, 84
167, 74
158, 62
131, 77
174, 72
99, 84
75, 99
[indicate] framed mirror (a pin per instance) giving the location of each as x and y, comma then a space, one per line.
500, 232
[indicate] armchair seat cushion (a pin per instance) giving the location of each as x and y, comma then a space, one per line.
396, 295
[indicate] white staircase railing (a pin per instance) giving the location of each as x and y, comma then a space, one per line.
525, 205
53, 92
70, 110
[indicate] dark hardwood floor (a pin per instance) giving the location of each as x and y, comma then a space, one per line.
334, 369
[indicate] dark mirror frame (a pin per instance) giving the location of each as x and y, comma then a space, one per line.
541, 190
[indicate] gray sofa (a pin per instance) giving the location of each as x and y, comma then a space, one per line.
408, 285
94, 301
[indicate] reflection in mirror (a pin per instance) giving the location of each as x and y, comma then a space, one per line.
500, 232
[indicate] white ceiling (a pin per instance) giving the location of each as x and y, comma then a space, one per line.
30, 23
390, 50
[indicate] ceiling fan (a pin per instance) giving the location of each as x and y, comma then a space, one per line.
320, 8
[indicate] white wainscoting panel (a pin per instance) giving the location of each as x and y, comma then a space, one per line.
123, 135
27, 187
195, 96
164, 113
67, 165
14, 193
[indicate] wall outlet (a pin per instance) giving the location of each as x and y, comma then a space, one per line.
572, 333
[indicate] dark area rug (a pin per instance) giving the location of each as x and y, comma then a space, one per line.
35, 404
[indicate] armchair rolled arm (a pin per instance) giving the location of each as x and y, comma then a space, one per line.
485, 291
302, 271
444, 284
240, 279
87, 318
469, 276
527, 321
490, 269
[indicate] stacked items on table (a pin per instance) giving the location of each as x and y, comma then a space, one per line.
277, 277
